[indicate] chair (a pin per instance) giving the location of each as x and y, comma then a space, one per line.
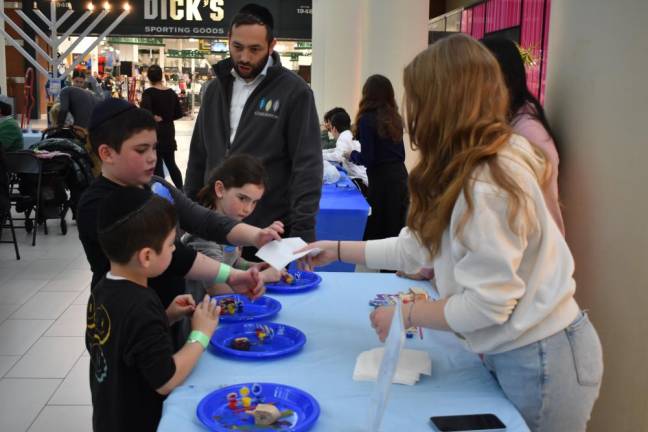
5, 205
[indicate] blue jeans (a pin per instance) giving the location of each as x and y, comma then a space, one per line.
553, 382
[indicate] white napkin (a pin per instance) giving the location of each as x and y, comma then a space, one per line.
279, 253
411, 365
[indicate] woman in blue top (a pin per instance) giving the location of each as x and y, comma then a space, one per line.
379, 128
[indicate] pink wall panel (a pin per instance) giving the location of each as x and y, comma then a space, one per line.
502, 14
466, 21
478, 21
545, 44
531, 39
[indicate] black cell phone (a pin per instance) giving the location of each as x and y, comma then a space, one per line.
468, 422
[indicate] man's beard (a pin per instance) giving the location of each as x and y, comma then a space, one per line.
256, 69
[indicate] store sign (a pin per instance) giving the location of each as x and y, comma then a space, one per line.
190, 54
150, 41
178, 18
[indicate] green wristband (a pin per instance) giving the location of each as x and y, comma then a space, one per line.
223, 273
243, 264
200, 337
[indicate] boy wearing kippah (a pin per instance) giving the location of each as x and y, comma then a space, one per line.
132, 363
124, 137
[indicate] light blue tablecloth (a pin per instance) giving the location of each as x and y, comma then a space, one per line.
334, 318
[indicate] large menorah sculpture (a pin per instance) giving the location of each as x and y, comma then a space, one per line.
54, 41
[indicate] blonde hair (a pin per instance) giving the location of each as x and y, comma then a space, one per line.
456, 106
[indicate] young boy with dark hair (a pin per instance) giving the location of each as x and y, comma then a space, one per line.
132, 360
124, 137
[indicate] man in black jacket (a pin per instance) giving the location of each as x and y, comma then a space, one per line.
256, 106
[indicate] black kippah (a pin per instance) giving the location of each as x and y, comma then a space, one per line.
259, 12
107, 110
120, 205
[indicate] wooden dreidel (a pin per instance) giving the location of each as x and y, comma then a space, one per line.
265, 414
246, 400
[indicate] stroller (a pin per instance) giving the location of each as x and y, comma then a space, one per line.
37, 185
80, 174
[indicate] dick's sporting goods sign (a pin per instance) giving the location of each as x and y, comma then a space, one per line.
181, 18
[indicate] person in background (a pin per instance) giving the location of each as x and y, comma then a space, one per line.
77, 100
503, 271
379, 128
340, 125
258, 107
233, 190
527, 116
327, 141
11, 138
164, 104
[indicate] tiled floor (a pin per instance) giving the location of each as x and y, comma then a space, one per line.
43, 297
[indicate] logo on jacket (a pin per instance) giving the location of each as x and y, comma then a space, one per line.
268, 108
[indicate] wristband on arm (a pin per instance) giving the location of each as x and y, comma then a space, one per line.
199, 337
223, 273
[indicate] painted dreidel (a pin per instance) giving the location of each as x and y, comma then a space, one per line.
267, 414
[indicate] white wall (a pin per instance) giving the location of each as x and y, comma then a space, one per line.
597, 101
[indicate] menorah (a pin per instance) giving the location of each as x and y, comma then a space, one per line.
54, 40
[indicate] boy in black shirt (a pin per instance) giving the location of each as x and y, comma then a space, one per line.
132, 363
124, 137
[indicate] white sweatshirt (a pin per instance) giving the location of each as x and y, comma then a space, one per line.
504, 290
345, 144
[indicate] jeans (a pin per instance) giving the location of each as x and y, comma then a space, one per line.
553, 382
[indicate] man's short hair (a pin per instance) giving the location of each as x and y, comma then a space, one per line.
341, 121
131, 219
330, 113
154, 73
78, 74
251, 14
113, 121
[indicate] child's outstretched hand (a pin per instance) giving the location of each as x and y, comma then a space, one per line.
381, 319
180, 306
205, 317
266, 235
248, 283
271, 274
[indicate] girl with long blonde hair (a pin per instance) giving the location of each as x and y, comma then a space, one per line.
502, 268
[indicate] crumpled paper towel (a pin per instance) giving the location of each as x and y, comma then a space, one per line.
411, 365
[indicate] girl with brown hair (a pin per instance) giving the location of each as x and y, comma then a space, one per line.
379, 128
502, 268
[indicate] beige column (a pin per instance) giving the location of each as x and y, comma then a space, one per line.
353, 39
3, 57
597, 101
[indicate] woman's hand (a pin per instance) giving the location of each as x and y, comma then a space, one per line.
157, 118
328, 253
381, 319
248, 283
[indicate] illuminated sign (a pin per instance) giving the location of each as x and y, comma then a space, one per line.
183, 18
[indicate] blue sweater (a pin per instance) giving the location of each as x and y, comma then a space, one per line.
375, 150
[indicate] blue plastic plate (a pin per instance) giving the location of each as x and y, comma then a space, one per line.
304, 281
213, 410
286, 340
262, 308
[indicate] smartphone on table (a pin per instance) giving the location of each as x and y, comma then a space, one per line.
467, 422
